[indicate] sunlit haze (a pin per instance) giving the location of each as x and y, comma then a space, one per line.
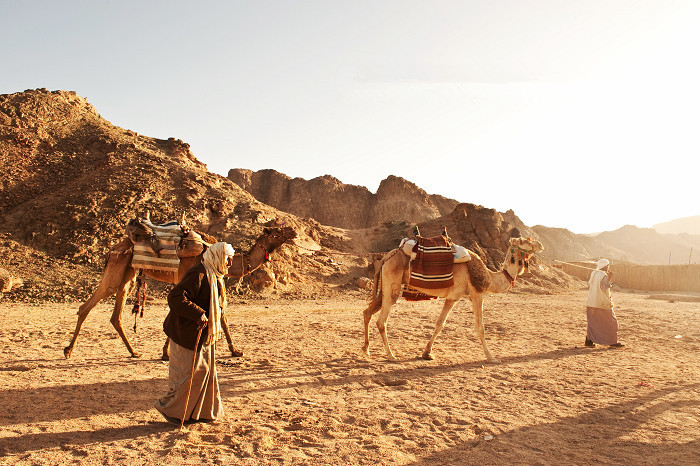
575, 114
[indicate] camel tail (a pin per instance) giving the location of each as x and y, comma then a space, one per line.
375, 300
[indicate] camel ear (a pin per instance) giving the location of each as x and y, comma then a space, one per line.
182, 220
266, 231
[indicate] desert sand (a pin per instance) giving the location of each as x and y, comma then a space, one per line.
303, 394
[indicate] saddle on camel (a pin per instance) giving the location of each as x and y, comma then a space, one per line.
165, 253
431, 262
159, 247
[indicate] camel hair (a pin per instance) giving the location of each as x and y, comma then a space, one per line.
119, 277
471, 278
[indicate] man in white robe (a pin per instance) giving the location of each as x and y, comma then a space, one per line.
602, 323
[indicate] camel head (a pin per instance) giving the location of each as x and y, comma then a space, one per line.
274, 237
518, 256
527, 244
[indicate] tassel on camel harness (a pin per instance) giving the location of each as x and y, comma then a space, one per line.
140, 298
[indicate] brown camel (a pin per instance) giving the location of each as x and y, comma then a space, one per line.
471, 278
119, 277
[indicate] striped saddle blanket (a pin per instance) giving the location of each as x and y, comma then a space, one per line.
432, 266
160, 254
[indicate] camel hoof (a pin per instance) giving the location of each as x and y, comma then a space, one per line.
236, 353
428, 356
165, 357
135, 355
67, 351
493, 361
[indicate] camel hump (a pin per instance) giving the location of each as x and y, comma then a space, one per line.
192, 244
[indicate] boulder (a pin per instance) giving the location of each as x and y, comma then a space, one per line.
5, 281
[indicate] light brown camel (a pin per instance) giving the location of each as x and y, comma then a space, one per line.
471, 278
119, 277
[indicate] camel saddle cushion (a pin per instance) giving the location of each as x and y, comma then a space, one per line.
461, 254
432, 266
192, 244
156, 249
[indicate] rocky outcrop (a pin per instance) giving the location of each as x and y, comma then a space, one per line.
331, 202
478, 228
324, 198
70, 181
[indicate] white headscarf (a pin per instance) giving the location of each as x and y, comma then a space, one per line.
601, 264
214, 261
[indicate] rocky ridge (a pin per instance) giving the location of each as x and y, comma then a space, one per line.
71, 181
334, 203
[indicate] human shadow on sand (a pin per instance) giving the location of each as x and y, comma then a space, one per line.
64, 402
594, 437
71, 440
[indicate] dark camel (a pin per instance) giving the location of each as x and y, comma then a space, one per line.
119, 277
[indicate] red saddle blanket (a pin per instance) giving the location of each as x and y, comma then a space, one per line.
432, 267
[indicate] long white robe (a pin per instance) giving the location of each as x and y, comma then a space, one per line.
602, 322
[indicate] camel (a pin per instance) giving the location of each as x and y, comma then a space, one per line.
119, 277
471, 278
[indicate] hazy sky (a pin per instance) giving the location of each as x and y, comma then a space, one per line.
575, 114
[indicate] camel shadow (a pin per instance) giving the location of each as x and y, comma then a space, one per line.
47, 404
295, 377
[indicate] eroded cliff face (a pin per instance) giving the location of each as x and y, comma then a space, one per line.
334, 203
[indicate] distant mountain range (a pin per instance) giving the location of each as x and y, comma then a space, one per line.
688, 225
331, 202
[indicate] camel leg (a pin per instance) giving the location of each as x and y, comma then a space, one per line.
120, 299
106, 288
368, 313
236, 353
100, 293
478, 308
389, 298
439, 325
224, 325
166, 350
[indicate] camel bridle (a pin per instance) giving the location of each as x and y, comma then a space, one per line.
245, 264
523, 256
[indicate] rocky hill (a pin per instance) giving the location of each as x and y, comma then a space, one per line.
70, 181
400, 202
334, 203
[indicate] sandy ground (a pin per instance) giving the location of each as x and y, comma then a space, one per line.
302, 394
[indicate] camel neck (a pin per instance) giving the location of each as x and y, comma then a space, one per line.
501, 281
245, 263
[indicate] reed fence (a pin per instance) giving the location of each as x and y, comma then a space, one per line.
644, 277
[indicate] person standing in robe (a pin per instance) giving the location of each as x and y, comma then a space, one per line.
196, 302
602, 323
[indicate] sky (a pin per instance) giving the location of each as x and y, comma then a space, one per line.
582, 115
